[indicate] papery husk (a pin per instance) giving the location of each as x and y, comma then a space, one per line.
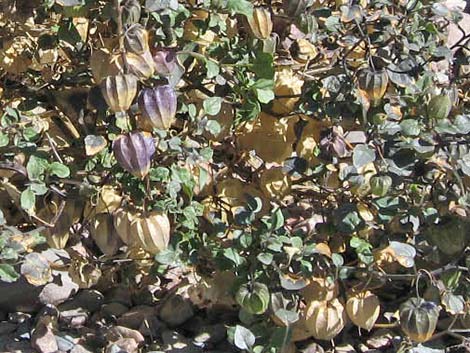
270, 137
192, 33
325, 319
274, 183
152, 231
119, 91
363, 309
260, 23
104, 234
286, 84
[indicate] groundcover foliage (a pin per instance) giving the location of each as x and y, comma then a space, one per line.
300, 168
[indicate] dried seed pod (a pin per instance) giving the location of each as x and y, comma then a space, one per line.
103, 233
373, 84
260, 23
286, 84
294, 8
109, 200
141, 65
303, 50
325, 319
418, 318
134, 153
439, 107
123, 220
119, 91
192, 32
254, 298
102, 65
165, 62
58, 236
158, 106
152, 231
363, 309
136, 39
379, 185
320, 289
131, 12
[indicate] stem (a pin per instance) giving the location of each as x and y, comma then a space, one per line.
120, 30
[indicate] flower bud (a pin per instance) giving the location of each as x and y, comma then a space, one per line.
158, 106
134, 153
136, 39
131, 12
165, 62
260, 23
119, 91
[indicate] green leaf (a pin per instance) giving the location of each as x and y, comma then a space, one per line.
264, 95
58, 169
28, 200
263, 66
265, 258
242, 7
212, 69
36, 167
8, 273
212, 105
243, 338
286, 316
4, 140
363, 155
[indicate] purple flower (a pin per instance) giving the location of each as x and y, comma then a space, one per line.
165, 62
134, 153
158, 106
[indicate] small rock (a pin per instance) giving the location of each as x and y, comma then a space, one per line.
136, 316
313, 348
43, 340
380, 339
211, 334
345, 348
88, 299
176, 310
79, 349
74, 318
123, 345
20, 347
176, 343
113, 310
18, 317
64, 344
120, 295
59, 290
117, 332
7, 327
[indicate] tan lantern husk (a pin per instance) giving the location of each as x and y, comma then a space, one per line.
373, 84
136, 40
286, 84
119, 91
103, 64
260, 23
141, 65
123, 220
363, 309
325, 319
104, 234
418, 319
320, 289
303, 50
58, 236
152, 231
193, 34
270, 137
